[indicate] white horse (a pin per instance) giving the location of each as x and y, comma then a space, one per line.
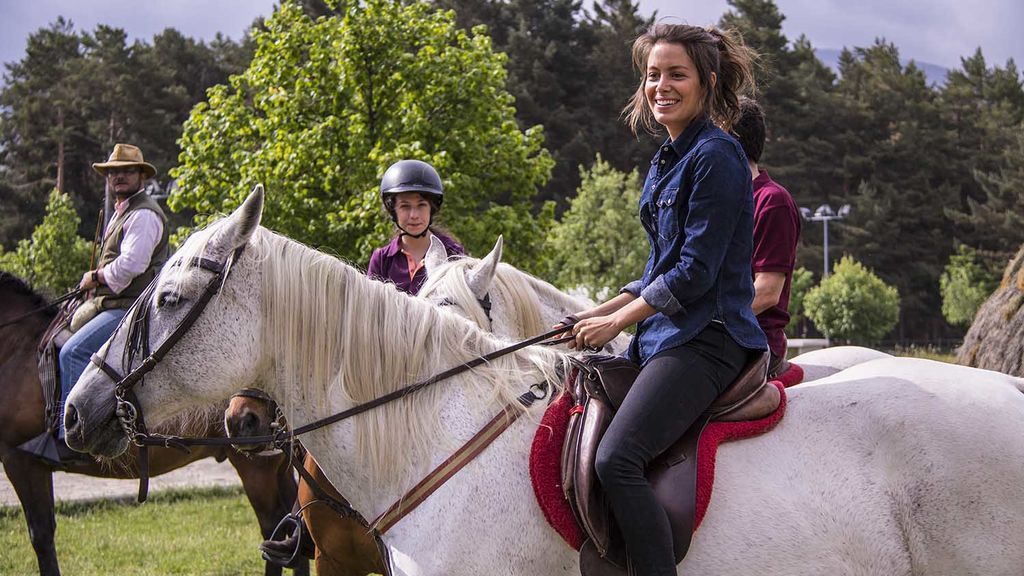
818, 364
521, 305
897, 467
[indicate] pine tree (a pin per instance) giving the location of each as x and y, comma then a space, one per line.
898, 224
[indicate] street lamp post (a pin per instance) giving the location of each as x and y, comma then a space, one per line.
824, 214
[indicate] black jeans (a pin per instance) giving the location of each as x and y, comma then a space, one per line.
670, 392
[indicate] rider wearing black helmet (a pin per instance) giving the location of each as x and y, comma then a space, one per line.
412, 194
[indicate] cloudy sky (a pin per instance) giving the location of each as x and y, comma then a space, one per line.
935, 31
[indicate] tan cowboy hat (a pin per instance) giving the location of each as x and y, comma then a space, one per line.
125, 155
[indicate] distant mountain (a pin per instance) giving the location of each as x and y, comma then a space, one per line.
935, 74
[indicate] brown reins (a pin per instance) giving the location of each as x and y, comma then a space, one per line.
129, 413
69, 296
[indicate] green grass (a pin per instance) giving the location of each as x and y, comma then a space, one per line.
927, 352
207, 531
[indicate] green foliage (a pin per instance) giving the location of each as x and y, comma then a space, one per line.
965, 285
56, 256
853, 305
75, 94
327, 105
570, 71
599, 245
984, 108
898, 225
802, 281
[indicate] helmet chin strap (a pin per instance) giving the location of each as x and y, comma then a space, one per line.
403, 232
411, 235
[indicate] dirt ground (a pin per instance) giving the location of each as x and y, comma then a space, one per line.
206, 472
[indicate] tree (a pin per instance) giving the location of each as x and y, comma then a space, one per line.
965, 284
797, 93
599, 245
56, 256
853, 305
75, 94
803, 280
327, 105
997, 218
571, 72
613, 25
984, 109
898, 225
41, 131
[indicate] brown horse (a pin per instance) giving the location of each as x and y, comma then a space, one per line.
344, 547
268, 481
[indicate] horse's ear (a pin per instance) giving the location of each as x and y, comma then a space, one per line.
246, 218
479, 278
436, 254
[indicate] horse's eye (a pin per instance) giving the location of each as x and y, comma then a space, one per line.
168, 299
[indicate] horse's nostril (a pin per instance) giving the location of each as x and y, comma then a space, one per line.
250, 422
70, 417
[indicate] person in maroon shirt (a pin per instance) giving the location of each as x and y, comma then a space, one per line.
776, 233
412, 194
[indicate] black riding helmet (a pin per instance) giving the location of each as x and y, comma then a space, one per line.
411, 176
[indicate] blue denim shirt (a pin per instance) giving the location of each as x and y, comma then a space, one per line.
698, 210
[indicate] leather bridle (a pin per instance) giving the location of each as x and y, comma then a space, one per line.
485, 304
128, 409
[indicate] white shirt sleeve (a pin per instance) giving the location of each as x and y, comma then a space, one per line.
142, 231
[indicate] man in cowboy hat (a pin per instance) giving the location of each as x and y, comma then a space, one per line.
133, 248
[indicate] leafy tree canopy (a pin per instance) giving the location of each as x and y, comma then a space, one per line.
54, 258
327, 105
965, 285
599, 245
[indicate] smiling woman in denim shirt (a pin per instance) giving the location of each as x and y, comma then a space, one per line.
695, 327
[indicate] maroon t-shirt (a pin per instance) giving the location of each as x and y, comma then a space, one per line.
389, 264
776, 232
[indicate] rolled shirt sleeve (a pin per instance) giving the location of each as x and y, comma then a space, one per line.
142, 232
635, 288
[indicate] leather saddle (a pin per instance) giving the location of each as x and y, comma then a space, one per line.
598, 386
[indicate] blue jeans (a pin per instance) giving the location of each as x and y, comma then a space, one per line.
75, 354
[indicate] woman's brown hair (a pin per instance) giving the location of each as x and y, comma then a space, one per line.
712, 50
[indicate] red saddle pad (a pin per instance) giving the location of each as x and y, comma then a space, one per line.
546, 453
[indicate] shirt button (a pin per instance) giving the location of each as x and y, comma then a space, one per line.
662, 161
664, 148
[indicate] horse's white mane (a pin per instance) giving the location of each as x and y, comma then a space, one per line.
520, 290
334, 334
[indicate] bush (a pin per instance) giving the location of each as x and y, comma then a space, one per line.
600, 244
853, 305
803, 279
55, 257
965, 285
